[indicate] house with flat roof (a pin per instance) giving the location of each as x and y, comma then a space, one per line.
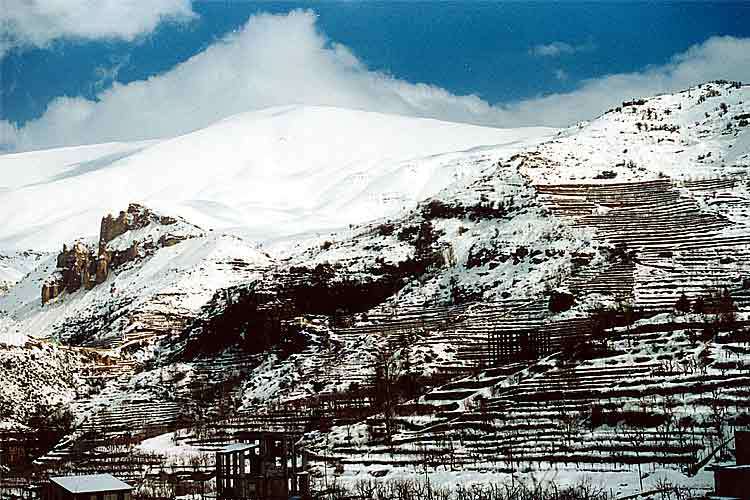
88, 487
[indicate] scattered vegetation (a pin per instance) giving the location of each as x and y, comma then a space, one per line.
422, 489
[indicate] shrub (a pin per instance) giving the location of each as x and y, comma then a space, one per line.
408, 233
560, 301
385, 229
606, 174
683, 304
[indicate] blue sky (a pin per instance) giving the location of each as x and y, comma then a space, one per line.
504, 55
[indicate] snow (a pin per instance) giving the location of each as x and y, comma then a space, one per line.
620, 482
263, 174
238, 447
20, 169
165, 444
15, 266
631, 144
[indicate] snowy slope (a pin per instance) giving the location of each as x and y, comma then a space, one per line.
23, 169
263, 174
694, 134
15, 266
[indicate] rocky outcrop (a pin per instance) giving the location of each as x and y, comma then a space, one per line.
78, 266
82, 266
52, 288
136, 217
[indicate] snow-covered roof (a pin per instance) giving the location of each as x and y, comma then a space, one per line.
732, 467
91, 483
237, 447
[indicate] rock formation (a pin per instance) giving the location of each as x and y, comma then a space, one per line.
83, 266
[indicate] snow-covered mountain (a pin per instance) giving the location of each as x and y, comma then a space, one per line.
277, 255
262, 175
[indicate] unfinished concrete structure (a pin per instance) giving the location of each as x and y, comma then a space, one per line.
266, 467
733, 481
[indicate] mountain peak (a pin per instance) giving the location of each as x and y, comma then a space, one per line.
264, 175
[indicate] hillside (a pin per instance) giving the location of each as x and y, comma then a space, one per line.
564, 304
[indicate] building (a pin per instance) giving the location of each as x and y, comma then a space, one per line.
90, 487
742, 447
733, 481
14, 448
268, 467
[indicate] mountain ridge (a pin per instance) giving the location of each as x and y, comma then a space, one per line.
211, 176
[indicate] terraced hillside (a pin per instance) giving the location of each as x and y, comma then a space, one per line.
659, 376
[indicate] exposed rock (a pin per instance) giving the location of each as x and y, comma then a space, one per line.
111, 228
78, 267
102, 267
82, 266
136, 217
167, 240
52, 288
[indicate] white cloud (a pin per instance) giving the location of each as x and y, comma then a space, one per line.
556, 49
105, 75
38, 22
284, 59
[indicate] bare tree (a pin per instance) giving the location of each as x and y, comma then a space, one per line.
386, 378
718, 411
637, 438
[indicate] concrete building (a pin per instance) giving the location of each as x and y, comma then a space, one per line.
733, 481
267, 467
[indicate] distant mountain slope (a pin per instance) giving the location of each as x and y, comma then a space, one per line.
263, 174
698, 133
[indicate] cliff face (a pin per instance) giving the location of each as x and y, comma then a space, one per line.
81, 265
136, 217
